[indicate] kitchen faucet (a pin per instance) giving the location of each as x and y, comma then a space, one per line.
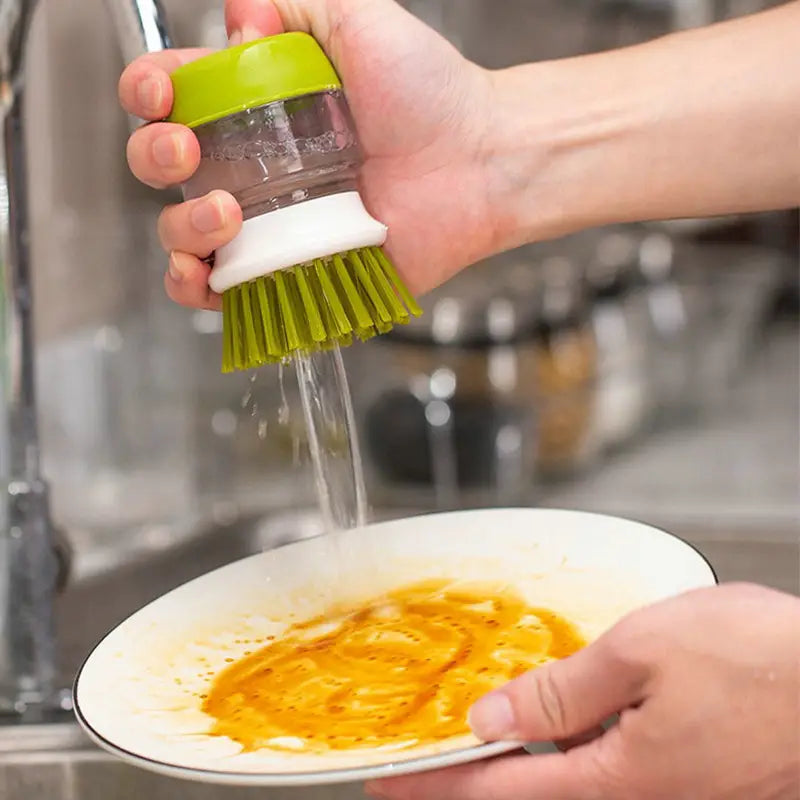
28, 554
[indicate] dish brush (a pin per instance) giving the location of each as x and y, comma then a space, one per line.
307, 271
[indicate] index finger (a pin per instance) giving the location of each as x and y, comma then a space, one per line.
145, 88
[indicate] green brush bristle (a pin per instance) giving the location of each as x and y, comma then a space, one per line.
313, 307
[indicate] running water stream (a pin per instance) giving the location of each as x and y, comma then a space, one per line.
332, 439
329, 430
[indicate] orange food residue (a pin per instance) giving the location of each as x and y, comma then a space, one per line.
403, 669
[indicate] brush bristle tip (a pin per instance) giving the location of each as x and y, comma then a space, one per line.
315, 306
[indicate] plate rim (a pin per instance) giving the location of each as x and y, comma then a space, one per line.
450, 758
340, 775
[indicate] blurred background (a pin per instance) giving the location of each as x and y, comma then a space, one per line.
646, 370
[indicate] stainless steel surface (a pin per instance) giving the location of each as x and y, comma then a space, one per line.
108, 588
736, 467
15, 16
141, 26
28, 561
56, 762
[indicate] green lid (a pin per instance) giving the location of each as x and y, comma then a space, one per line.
249, 76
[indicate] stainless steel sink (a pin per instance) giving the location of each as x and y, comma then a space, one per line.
109, 583
55, 762
53, 759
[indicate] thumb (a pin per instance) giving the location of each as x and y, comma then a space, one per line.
565, 698
247, 20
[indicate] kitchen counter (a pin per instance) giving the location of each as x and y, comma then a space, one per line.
736, 467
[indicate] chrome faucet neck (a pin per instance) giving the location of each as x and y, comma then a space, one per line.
140, 25
28, 560
15, 18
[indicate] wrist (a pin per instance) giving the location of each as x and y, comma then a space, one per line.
556, 154
699, 123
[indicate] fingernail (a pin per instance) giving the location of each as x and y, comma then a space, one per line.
235, 39
375, 789
173, 270
208, 215
151, 95
168, 150
492, 717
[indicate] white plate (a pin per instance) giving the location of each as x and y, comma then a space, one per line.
136, 693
